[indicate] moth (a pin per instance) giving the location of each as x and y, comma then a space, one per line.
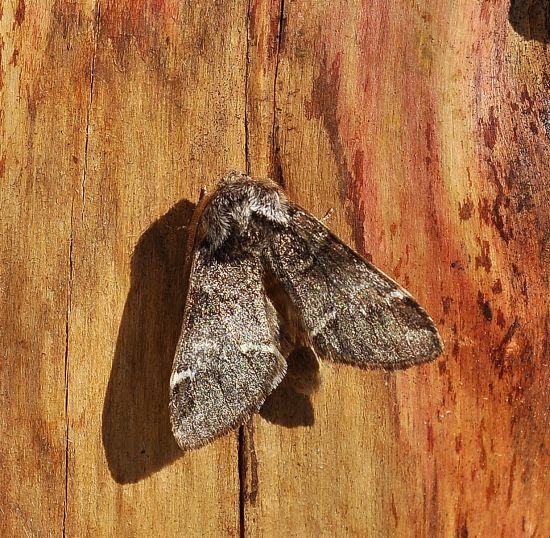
266, 278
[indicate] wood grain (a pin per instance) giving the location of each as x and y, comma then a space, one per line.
42, 126
425, 125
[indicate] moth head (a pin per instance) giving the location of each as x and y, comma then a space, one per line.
241, 211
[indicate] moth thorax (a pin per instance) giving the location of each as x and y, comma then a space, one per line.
242, 222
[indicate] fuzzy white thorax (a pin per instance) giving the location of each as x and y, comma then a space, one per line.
237, 198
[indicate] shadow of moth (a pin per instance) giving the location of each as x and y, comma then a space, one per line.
266, 277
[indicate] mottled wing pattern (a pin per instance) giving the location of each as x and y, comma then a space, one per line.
227, 360
352, 311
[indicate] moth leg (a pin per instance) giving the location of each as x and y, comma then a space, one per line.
328, 214
203, 193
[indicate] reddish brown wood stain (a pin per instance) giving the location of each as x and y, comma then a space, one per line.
20, 13
136, 17
485, 311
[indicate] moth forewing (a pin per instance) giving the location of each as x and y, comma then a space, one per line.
352, 310
227, 360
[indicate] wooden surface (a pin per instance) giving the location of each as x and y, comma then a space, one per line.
425, 125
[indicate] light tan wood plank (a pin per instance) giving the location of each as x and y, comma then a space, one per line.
425, 126
167, 116
43, 95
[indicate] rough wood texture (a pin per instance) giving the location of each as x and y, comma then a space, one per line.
425, 125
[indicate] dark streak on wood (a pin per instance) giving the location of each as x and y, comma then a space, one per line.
324, 105
20, 13
485, 306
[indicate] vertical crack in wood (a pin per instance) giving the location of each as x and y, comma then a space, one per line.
90, 100
251, 463
241, 440
277, 167
246, 452
242, 482
248, 471
67, 317
71, 272
246, 91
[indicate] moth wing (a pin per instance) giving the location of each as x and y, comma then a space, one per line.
352, 311
227, 360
